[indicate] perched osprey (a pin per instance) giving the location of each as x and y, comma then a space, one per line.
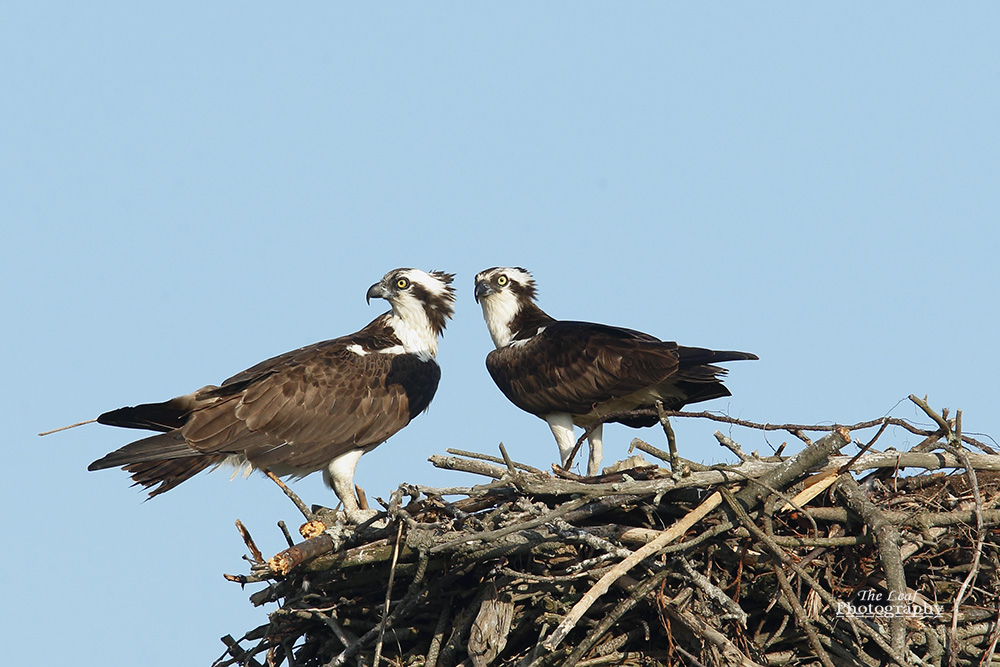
574, 372
316, 408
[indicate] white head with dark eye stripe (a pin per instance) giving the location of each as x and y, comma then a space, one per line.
421, 303
504, 292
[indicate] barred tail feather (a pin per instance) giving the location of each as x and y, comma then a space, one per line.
160, 476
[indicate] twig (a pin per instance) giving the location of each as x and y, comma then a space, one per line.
913, 519
602, 586
491, 459
790, 470
66, 428
800, 616
668, 430
731, 654
938, 419
957, 450
649, 449
493, 535
887, 538
515, 475
438, 638
637, 593
233, 647
440, 492
291, 495
329, 618
362, 499
571, 532
284, 531
753, 468
797, 502
255, 553
459, 630
388, 597
285, 561
464, 465
731, 445
790, 428
995, 633
713, 591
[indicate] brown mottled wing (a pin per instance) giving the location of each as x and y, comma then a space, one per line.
572, 366
306, 407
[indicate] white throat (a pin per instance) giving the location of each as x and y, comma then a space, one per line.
499, 310
413, 329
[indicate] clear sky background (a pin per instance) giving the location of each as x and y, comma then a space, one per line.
189, 188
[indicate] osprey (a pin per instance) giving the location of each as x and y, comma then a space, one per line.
572, 373
316, 408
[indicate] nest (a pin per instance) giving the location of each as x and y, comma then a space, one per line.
827, 557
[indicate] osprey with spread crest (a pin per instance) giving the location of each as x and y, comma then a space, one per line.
572, 373
316, 408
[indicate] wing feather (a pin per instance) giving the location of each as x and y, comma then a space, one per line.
573, 366
369, 406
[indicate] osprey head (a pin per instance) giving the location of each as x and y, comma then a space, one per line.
504, 292
421, 302
506, 282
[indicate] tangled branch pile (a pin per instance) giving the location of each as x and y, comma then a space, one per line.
770, 561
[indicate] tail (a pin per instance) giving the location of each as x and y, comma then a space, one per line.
698, 379
163, 447
163, 417
695, 356
165, 475
162, 461
695, 380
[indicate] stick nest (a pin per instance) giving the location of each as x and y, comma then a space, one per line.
834, 556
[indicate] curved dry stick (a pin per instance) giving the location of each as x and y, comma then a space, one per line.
604, 583
801, 617
388, 595
794, 429
963, 591
888, 541
633, 598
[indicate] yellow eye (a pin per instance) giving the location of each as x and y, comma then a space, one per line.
402, 283
501, 281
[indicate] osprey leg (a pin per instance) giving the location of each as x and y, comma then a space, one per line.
339, 476
596, 439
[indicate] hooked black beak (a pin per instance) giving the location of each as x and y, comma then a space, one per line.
483, 289
376, 291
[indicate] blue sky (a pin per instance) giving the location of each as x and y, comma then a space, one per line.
193, 187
